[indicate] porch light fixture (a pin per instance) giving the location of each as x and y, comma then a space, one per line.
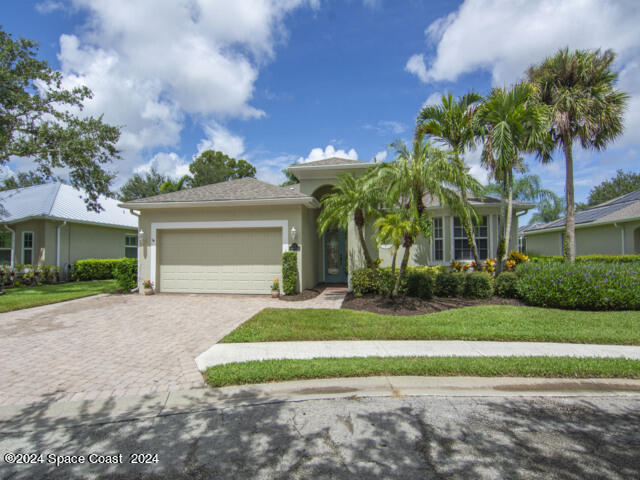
141, 238
294, 233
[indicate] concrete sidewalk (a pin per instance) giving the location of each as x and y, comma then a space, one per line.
223, 353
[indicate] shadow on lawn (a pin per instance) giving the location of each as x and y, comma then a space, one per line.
426, 437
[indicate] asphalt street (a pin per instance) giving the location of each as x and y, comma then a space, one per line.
384, 437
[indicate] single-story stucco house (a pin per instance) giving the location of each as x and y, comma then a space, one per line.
229, 237
49, 225
611, 228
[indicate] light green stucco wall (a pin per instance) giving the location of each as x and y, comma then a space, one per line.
597, 239
309, 248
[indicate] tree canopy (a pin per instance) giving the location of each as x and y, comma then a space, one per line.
621, 184
213, 167
21, 180
140, 186
39, 120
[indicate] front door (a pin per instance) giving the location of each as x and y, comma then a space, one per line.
335, 256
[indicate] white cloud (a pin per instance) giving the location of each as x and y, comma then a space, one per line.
48, 6
221, 139
380, 156
170, 164
319, 154
151, 64
434, 99
506, 36
387, 127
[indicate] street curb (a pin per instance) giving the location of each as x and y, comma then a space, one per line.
122, 409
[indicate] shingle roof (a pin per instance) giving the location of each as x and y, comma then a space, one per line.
240, 189
60, 201
431, 202
333, 161
620, 208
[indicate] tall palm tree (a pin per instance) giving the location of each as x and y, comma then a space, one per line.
549, 209
527, 188
425, 171
578, 86
354, 199
513, 123
451, 124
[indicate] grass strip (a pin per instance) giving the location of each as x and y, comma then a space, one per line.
26, 297
242, 373
487, 322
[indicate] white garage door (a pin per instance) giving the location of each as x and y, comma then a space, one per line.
220, 260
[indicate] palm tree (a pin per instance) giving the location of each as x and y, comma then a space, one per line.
451, 125
579, 88
513, 123
527, 188
391, 228
174, 186
424, 171
351, 198
549, 209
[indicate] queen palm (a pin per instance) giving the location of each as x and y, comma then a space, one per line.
450, 124
391, 229
425, 171
549, 209
513, 123
578, 86
354, 199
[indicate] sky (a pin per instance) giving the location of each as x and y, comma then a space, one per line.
279, 82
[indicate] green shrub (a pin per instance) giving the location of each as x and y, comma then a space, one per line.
290, 273
420, 285
126, 274
586, 285
478, 285
94, 268
505, 285
588, 258
449, 284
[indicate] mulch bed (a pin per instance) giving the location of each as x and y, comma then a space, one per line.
416, 306
307, 294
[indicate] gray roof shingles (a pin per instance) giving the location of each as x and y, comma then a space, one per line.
333, 161
241, 189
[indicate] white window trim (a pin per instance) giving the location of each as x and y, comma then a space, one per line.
454, 238
126, 235
283, 224
433, 242
12, 246
33, 241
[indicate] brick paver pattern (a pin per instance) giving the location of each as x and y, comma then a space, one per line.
120, 345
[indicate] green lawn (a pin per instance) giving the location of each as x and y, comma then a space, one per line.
282, 370
25, 297
493, 322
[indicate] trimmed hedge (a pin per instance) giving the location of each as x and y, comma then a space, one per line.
450, 284
364, 282
95, 268
585, 285
126, 274
478, 285
588, 258
420, 285
290, 273
506, 285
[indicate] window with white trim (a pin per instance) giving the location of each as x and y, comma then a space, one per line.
461, 248
438, 239
5, 248
131, 245
27, 248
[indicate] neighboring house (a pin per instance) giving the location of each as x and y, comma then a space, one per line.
229, 237
522, 238
611, 228
49, 225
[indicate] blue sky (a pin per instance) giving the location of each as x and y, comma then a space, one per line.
277, 82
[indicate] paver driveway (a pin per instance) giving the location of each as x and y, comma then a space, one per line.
119, 345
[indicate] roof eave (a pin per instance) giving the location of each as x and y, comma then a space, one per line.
70, 220
310, 202
582, 225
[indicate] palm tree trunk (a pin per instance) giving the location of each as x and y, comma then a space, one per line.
569, 247
365, 250
502, 247
471, 236
393, 261
507, 230
408, 243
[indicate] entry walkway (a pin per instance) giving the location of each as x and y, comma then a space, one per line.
223, 353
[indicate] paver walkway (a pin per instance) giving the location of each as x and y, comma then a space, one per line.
121, 345
242, 352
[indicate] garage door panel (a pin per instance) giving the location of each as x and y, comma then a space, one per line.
219, 261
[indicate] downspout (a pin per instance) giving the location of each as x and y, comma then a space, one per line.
58, 228
621, 235
13, 243
137, 289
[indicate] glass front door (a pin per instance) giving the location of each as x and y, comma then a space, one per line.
335, 256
